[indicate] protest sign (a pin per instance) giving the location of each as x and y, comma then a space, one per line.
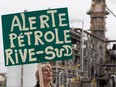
36, 36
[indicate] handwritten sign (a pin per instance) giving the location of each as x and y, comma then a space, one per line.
36, 36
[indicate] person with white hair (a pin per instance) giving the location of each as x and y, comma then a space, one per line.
47, 76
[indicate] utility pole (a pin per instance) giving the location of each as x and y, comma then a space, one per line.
21, 75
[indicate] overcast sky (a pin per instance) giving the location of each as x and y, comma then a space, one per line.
77, 12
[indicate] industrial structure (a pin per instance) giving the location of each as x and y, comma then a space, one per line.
93, 63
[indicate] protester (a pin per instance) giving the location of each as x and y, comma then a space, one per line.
47, 76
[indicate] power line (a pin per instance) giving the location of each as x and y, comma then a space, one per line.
111, 11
